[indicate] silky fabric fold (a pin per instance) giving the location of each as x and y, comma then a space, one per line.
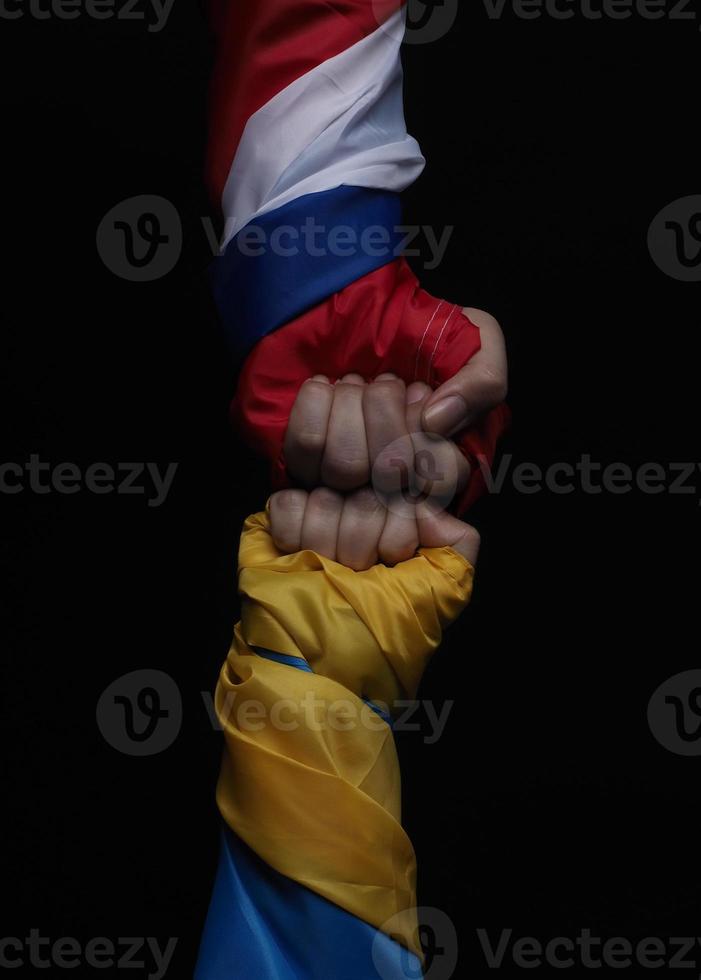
310, 777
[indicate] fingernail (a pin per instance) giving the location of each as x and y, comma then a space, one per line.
416, 392
447, 416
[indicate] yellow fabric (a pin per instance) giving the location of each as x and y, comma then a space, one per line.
310, 778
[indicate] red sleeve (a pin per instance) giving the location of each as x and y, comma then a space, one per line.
382, 322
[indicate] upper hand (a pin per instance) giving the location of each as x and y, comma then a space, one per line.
347, 435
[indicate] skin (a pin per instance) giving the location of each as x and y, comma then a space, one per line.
479, 386
338, 434
363, 526
327, 522
370, 451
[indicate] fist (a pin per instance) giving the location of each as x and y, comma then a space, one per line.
382, 322
351, 434
361, 529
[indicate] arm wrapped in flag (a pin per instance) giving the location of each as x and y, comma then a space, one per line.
308, 155
310, 785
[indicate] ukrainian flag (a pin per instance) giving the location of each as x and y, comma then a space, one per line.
317, 877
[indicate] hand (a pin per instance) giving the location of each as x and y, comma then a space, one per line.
347, 435
380, 323
340, 435
354, 647
358, 530
479, 386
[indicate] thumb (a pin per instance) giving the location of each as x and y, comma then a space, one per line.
439, 529
476, 388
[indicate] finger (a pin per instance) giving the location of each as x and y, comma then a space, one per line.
417, 394
479, 386
306, 431
400, 538
440, 469
322, 517
389, 446
345, 465
438, 529
359, 534
286, 517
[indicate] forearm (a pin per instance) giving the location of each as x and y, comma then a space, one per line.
319, 663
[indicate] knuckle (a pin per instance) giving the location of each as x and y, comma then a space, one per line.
306, 441
325, 499
289, 501
284, 540
380, 392
352, 563
358, 564
316, 388
367, 502
393, 466
395, 556
344, 472
396, 552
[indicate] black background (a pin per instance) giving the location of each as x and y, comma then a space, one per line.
547, 807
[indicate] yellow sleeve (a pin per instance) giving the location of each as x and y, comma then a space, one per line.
310, 778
